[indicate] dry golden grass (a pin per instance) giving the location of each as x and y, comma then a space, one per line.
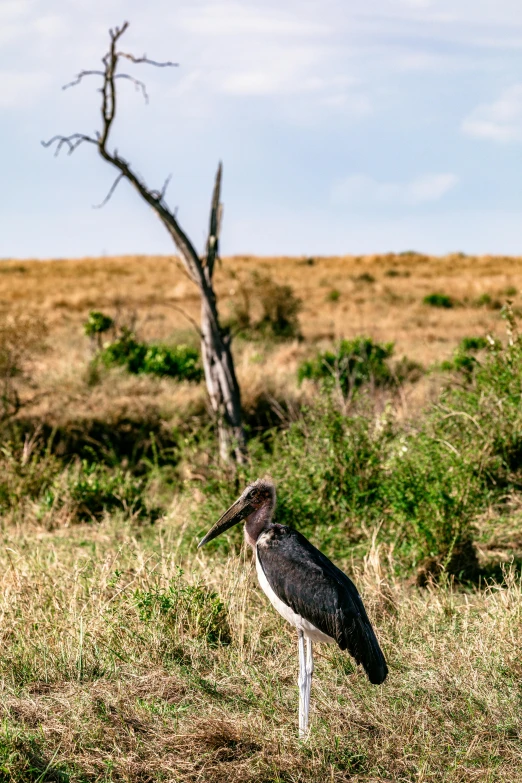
379, 296
389, 308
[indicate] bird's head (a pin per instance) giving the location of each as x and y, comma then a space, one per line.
257, 496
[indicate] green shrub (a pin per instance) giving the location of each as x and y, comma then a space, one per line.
439, 300
265, 309
97, 323
125, 351
468, 344
463, 360
365, 277
333, 296
190, 608
280, 309
356, 362
340, 478
25, 473
486, 300
88, 490
181, 362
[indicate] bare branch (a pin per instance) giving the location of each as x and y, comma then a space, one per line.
81, 76
111, 191
145, 59
139, 85
183, 269
72, 142
160, 194
185, 315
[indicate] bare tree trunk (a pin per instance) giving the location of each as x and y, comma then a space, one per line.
220, 374
218, 362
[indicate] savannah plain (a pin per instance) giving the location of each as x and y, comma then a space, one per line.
126, 655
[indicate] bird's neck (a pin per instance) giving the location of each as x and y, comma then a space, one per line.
256, 523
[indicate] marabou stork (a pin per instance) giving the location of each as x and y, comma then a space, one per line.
305, 587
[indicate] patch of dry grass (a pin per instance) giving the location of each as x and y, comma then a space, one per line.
91, 690
378, 296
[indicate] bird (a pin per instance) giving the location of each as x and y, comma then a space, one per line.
305, 587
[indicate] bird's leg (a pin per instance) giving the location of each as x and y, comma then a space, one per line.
309, 669
302, 684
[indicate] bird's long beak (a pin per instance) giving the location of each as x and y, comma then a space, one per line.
238, 511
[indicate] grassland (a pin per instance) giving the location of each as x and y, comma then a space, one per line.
127, 656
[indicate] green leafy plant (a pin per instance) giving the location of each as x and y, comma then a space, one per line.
97, 323
89, 490
439, 300
192, 608
355, 362
181, 361
463, 359
333, 296
486, 300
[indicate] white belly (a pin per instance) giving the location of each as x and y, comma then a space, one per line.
309, 630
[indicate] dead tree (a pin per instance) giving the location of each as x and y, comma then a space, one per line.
220, 375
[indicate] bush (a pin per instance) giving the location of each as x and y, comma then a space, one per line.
181, 362
340, 478
438, 300
486, 300
88, 490
266, 309
333, 296
25, 472
463, 360
365, 277
97, 323
356, 362
193, 609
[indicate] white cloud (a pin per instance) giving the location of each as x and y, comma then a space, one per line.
499, 121
20, 89
281, 71
417, 3
14, 9
361, 189
224, 19
51, 26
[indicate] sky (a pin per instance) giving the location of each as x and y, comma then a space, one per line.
344, 126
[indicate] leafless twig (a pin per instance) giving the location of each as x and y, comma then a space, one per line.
72, 142
111, 191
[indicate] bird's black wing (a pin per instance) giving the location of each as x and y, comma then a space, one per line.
307, 581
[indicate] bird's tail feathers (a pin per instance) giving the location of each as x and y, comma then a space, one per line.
371, 656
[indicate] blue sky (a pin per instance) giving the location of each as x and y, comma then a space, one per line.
344, 126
